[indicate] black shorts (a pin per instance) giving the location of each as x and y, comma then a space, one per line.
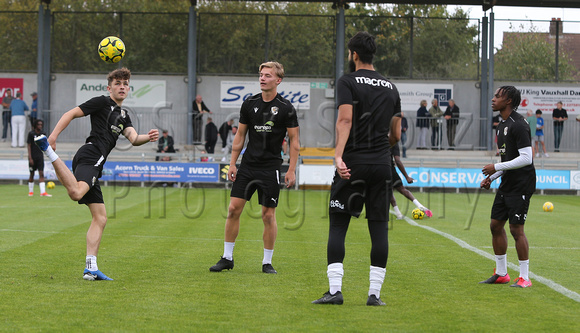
37, 164
267, 182
512, 207
88, 167
369, 185
396, 180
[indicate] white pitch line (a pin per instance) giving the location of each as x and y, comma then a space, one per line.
541, 248
551, 284
32, 231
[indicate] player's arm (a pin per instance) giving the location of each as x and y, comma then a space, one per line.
63, 123
294, 137
343, 126
524, 158
486, 183
29, 153
395, 129
401, 168
140, 139
237, 147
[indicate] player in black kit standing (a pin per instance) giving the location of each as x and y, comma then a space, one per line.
108, 121
368, 124
518, 183
266, 117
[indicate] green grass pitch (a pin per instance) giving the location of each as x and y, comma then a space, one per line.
158, 246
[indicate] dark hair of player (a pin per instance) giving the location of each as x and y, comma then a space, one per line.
512, 93
119, 74
36, 122
538, 111
364, 45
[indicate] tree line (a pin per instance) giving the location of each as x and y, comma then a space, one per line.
233, 37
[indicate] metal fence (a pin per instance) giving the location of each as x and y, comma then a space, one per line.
174, 122
467, 134
409, 47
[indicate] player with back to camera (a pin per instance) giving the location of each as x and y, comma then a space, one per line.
265, 118
36, 160
368, 124
108, 121
518, 183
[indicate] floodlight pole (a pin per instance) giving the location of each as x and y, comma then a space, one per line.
43, 74
491, 90
557, 50
483, 85
191, 69
339, 66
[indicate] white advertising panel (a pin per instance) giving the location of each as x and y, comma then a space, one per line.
575, 180
143, 93
413, 93
233, 93
545, 98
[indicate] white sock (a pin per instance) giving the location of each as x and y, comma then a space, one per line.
229, 250
397, 211
52, 156
524, 269
418, 204
267, 256
501, 264
92, 263
376, 278
42, 187
31, 187
335, 272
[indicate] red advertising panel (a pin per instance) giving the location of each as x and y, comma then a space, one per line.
15, 84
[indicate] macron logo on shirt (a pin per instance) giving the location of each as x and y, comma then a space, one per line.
374, 82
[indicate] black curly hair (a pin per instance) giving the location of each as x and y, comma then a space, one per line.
511, 92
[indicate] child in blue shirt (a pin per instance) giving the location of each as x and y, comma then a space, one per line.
540, 133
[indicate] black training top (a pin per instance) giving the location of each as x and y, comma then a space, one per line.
513, 134
375, 100
35, 152
108, 121
267, 123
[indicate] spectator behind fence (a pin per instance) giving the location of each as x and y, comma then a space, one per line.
539, 137
559, 115
199, 108
452, 116
165, 146
224, 131
211, 135
436, 120
230, 142
6, 100
33, 109
17, 108
422, 125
